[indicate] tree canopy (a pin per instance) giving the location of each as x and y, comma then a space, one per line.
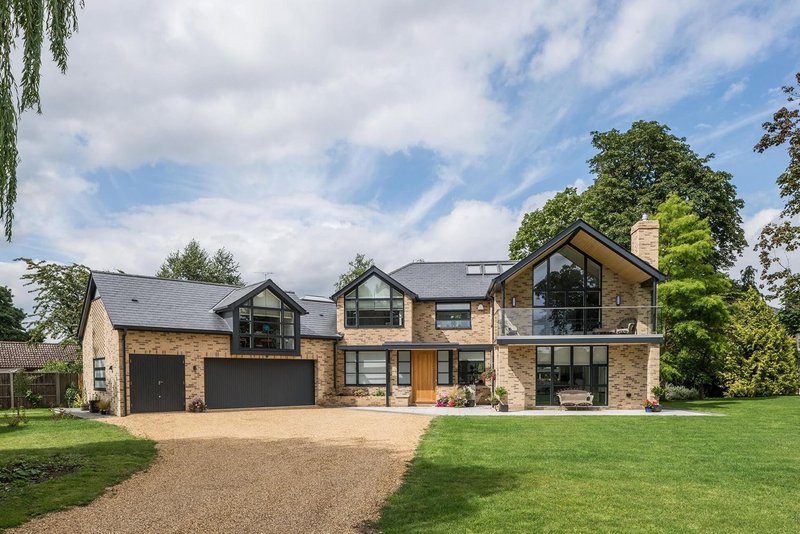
35, 22
636, 171
195, 263
357, 266
58, 303
693, 308
11, 318
779, 238
540, 225
760, 356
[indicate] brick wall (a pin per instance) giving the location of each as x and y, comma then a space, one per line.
644, 241
632, 370
375, 336
100, 340
425, 325
196, 347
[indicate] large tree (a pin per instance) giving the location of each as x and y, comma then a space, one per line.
636, 171
542, 224
693, 308
782, 237
760, 356
356, 268
34, 22
11, 317
195, 263
58, 303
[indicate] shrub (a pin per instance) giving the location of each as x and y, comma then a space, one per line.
379, 393
71, 396
361, 392
658, 392
673, 392
104, 405
33, 399
197, 405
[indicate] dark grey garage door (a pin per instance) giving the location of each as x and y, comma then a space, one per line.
233, 383
157, 383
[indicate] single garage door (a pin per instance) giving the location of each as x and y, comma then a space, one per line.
157, 383
234, 383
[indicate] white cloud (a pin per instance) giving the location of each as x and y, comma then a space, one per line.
734, 89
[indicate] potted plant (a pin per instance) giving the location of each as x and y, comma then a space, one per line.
469, 396
488, 376
501, 394
648, 405
104, 405
93, 406
197, 405
657, 392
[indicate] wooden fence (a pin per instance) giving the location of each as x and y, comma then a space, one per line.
51, 386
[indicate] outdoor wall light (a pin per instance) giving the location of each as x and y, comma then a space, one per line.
110, 367
513, 302
480, 307
618, 300
194, 368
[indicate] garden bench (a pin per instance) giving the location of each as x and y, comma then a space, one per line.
575, 398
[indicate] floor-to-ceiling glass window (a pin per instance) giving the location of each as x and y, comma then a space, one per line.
572, 367
566, 291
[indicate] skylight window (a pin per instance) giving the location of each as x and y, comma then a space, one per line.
491, 269
474, 269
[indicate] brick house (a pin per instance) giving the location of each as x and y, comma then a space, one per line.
578, 313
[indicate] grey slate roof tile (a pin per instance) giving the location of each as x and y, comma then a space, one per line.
165, 304
445, 280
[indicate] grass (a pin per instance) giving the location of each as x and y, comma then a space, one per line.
104, 455
739, 473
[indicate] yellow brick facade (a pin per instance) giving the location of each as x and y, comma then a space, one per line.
101, 339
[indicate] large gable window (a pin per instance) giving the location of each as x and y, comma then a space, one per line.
567, 284
374, 303
266, 323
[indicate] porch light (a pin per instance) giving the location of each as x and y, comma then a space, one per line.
618, 300
513, 302
480, 307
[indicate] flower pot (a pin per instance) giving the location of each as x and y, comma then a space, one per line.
470, 403
84, 407
504, 407
656, 408
103, 412
648, 409
93, 406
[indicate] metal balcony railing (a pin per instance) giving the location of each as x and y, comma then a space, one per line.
572, 321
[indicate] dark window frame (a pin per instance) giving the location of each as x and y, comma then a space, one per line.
449, 368
585, 290
592, 366
95, 369
236, 347
469, 316
410, 364
358, 374
392, 298
462, 382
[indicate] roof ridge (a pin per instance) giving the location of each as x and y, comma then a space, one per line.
34, 343
171, 279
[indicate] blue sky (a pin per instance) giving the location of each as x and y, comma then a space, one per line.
297, 135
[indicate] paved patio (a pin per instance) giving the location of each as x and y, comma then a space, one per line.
489, 412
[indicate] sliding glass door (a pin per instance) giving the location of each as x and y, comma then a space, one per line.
571, 367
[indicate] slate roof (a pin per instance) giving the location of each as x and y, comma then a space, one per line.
21, 354
150, 303
445, 280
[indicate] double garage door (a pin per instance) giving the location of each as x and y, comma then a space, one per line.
157, 383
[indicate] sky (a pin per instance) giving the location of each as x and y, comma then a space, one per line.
296, 134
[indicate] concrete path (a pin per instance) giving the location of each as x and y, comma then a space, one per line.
432, 411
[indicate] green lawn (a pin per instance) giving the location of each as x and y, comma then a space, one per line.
104, 455
739, 473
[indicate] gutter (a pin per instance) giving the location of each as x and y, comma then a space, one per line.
124, 374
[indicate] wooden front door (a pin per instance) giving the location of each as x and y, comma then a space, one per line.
423, 376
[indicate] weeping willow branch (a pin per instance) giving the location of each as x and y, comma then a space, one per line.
26, 22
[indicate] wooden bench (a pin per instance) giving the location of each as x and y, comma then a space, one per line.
575, 398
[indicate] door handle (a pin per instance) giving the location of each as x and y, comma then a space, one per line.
160, 382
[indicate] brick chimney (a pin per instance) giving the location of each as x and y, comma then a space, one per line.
644, 240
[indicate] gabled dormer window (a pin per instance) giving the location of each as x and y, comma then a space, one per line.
373, 304
266, 323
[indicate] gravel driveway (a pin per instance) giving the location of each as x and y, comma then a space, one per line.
290, 470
